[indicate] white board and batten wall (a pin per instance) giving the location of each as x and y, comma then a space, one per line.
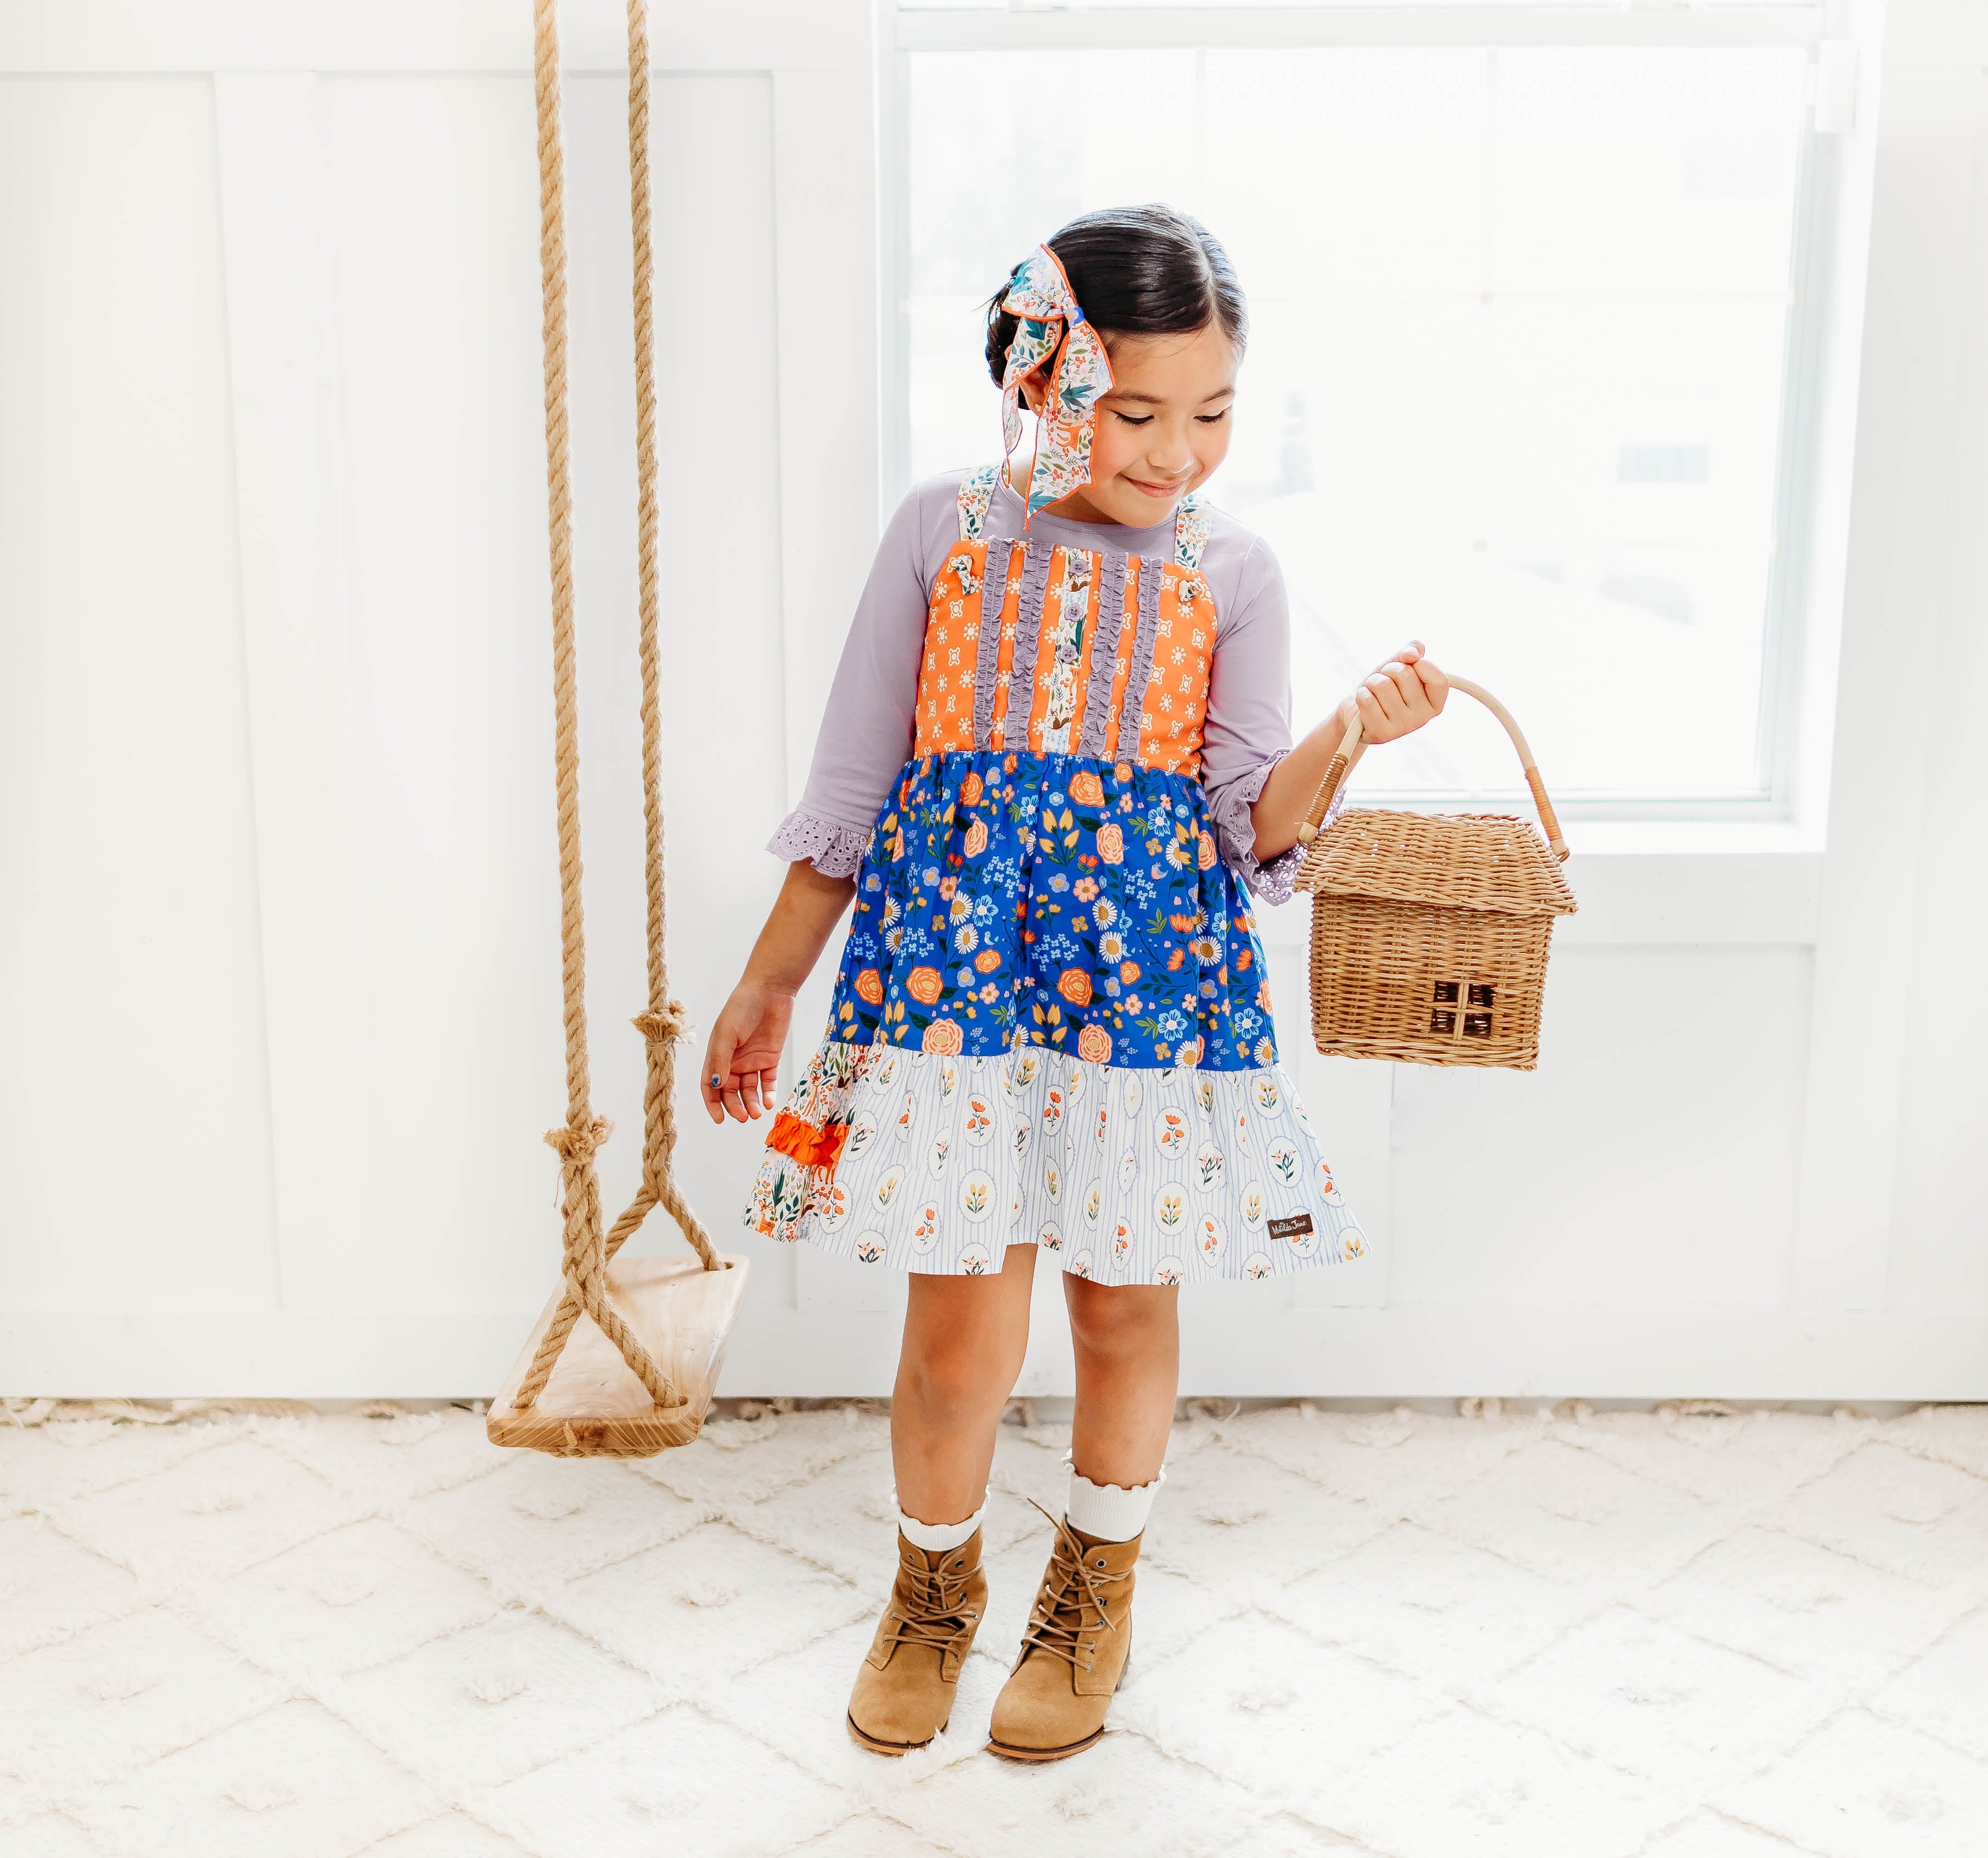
278, 1024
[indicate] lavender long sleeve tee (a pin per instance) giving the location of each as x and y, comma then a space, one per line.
867, 730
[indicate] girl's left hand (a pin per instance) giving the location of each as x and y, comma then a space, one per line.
1398, 698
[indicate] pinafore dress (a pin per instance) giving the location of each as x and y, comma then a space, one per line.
1051, 1023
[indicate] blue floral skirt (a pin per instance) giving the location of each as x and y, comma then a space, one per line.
1052, 1025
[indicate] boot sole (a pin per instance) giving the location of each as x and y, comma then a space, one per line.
880, 1747
1046, 1755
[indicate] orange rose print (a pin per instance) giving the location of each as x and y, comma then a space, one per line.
988, 960
1094, 1045
970, 791
1128, 972
1111, 843
943, 1035
1086, 789
976, 838
870, 984
1074, 985
1205, 858
923, 984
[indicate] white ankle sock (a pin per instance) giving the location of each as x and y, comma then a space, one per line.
934, 1537
1109, 1512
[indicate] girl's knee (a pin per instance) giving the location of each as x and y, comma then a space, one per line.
955, 1380
1121, 1319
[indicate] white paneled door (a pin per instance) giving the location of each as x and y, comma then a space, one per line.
279, 1010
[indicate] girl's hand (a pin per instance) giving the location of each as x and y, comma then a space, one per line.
743, 1055
1399, 698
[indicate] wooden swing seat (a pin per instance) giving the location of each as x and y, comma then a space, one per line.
593, 1406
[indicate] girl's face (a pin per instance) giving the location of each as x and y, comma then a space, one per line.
1161, 430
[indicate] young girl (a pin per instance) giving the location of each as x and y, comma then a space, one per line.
1051, 1027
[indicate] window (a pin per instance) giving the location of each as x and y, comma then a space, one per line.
1524, 350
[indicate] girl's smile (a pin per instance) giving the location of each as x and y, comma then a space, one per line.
1161, 430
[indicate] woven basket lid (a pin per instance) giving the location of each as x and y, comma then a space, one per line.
1459, 861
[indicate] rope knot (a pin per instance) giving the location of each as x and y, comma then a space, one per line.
575, 1147
671, 1021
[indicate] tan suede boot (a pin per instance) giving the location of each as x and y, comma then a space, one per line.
1073, 1651
904, 1693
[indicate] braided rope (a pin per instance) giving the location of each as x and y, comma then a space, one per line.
665, 1022
587, 1250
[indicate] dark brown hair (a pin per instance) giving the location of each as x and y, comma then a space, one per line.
1137, 271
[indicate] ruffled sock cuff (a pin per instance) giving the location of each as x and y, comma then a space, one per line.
1109, 1512
834, 849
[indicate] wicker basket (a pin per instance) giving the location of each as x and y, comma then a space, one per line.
1429, 931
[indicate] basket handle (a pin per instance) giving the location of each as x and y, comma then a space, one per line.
1342, 760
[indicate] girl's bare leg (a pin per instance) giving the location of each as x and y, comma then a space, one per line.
1127, 1342
964, 1340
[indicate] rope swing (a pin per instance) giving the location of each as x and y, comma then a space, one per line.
637, 1375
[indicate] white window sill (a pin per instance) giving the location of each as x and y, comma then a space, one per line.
1671, 883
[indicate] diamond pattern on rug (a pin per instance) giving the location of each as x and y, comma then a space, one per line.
292, 1783
1916, 1516
1464, 1785
353, 1597
214, 1513
52, 1588
678, 1782
1258, 1697
697, 1605
1642, 1696
1695, 1634
1804, 1608
1143, 1800
485, 1706
1419, 1602
1557, 1509
537, 1523
1861, 1787
84, 1713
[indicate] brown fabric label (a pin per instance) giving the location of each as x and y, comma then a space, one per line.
1290, 1228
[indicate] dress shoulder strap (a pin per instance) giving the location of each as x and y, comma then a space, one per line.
1190, 532
976, 493
976, 497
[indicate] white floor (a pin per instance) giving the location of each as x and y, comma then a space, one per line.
1677, 1635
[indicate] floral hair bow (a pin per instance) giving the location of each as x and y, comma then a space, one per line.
1050, 322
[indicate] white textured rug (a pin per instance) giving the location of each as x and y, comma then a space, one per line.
1695, 1634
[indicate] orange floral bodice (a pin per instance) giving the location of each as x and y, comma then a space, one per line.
1091, 637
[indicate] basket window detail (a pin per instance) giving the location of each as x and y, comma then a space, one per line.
1476, 1025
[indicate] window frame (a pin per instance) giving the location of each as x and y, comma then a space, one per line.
1784, 758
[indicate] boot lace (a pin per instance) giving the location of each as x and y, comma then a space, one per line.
929, 1607
1071, 1593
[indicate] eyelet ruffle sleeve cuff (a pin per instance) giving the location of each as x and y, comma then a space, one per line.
834, 850
1235, 834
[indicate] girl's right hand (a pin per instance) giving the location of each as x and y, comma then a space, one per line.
742, 1056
